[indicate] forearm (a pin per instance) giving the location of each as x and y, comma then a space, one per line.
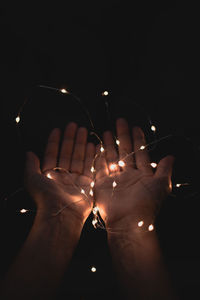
139, 265
38, 269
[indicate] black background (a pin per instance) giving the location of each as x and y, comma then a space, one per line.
145, 54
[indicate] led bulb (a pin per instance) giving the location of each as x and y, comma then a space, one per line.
91, 193
142, 147
17, 119
151, 227
23, 211
178, 184
113, 167
121, 163
92, 184
95, 210
154, 165
102, 149
114, 184
64, 91
93, 269
49, 176
92, 169
105, 93
117, 142
94, 222
153, 128
82, 191
140, 224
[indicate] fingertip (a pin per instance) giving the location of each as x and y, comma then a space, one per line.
138, 132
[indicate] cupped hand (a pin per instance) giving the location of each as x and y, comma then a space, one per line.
133, 192
63, 182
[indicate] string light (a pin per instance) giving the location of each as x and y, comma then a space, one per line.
142, 147
117, 142
153, 128
94, 222
151, 227
121, 163
114, 184
95, 210
93, 269
140, 224
91, 193
17, 119
49, 176
105, 93
92, 184
82, 191
92, 169
23, 211
64, 91
154, 165
113, 167
102, 149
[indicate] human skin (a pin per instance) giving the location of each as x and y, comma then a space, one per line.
137, 196
61, 212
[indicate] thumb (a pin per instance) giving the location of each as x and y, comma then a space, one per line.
32, 164
165, 167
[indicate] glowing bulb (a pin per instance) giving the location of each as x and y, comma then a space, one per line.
94, 222
93, 269
91, 193
140, 224
113, 167
92, 184
153, 128
17, 119
142, 147
154, 165
114, 184
117, 142
64, 91
49, 176
92, 169
121, 163
95, 210
102, 149
82, 191
151, 227
105, 93
178, 184
23, 211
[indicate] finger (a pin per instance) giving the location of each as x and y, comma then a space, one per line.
51, 152
141, 156
32, 164
110, 153
77, 162
67, 146
125, 146
89, 158
165, 167
100, 163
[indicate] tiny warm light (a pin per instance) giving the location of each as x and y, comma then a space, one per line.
151, 227
95, 210
102, 149
142, 147
23, 211
113, 167
114, 184
105, 93
82, 191
17, 119
154, 165
121, 163
117, 142
91, 193
92, 169
94, 222
49, 176
93, 269
178, 184
92, 184
64, 91
140, 224
153, 128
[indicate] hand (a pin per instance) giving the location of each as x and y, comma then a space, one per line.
139, 190
57, 187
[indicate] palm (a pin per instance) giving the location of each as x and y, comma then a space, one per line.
67, 185
138, 191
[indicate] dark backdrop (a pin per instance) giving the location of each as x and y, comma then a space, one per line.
145, 54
